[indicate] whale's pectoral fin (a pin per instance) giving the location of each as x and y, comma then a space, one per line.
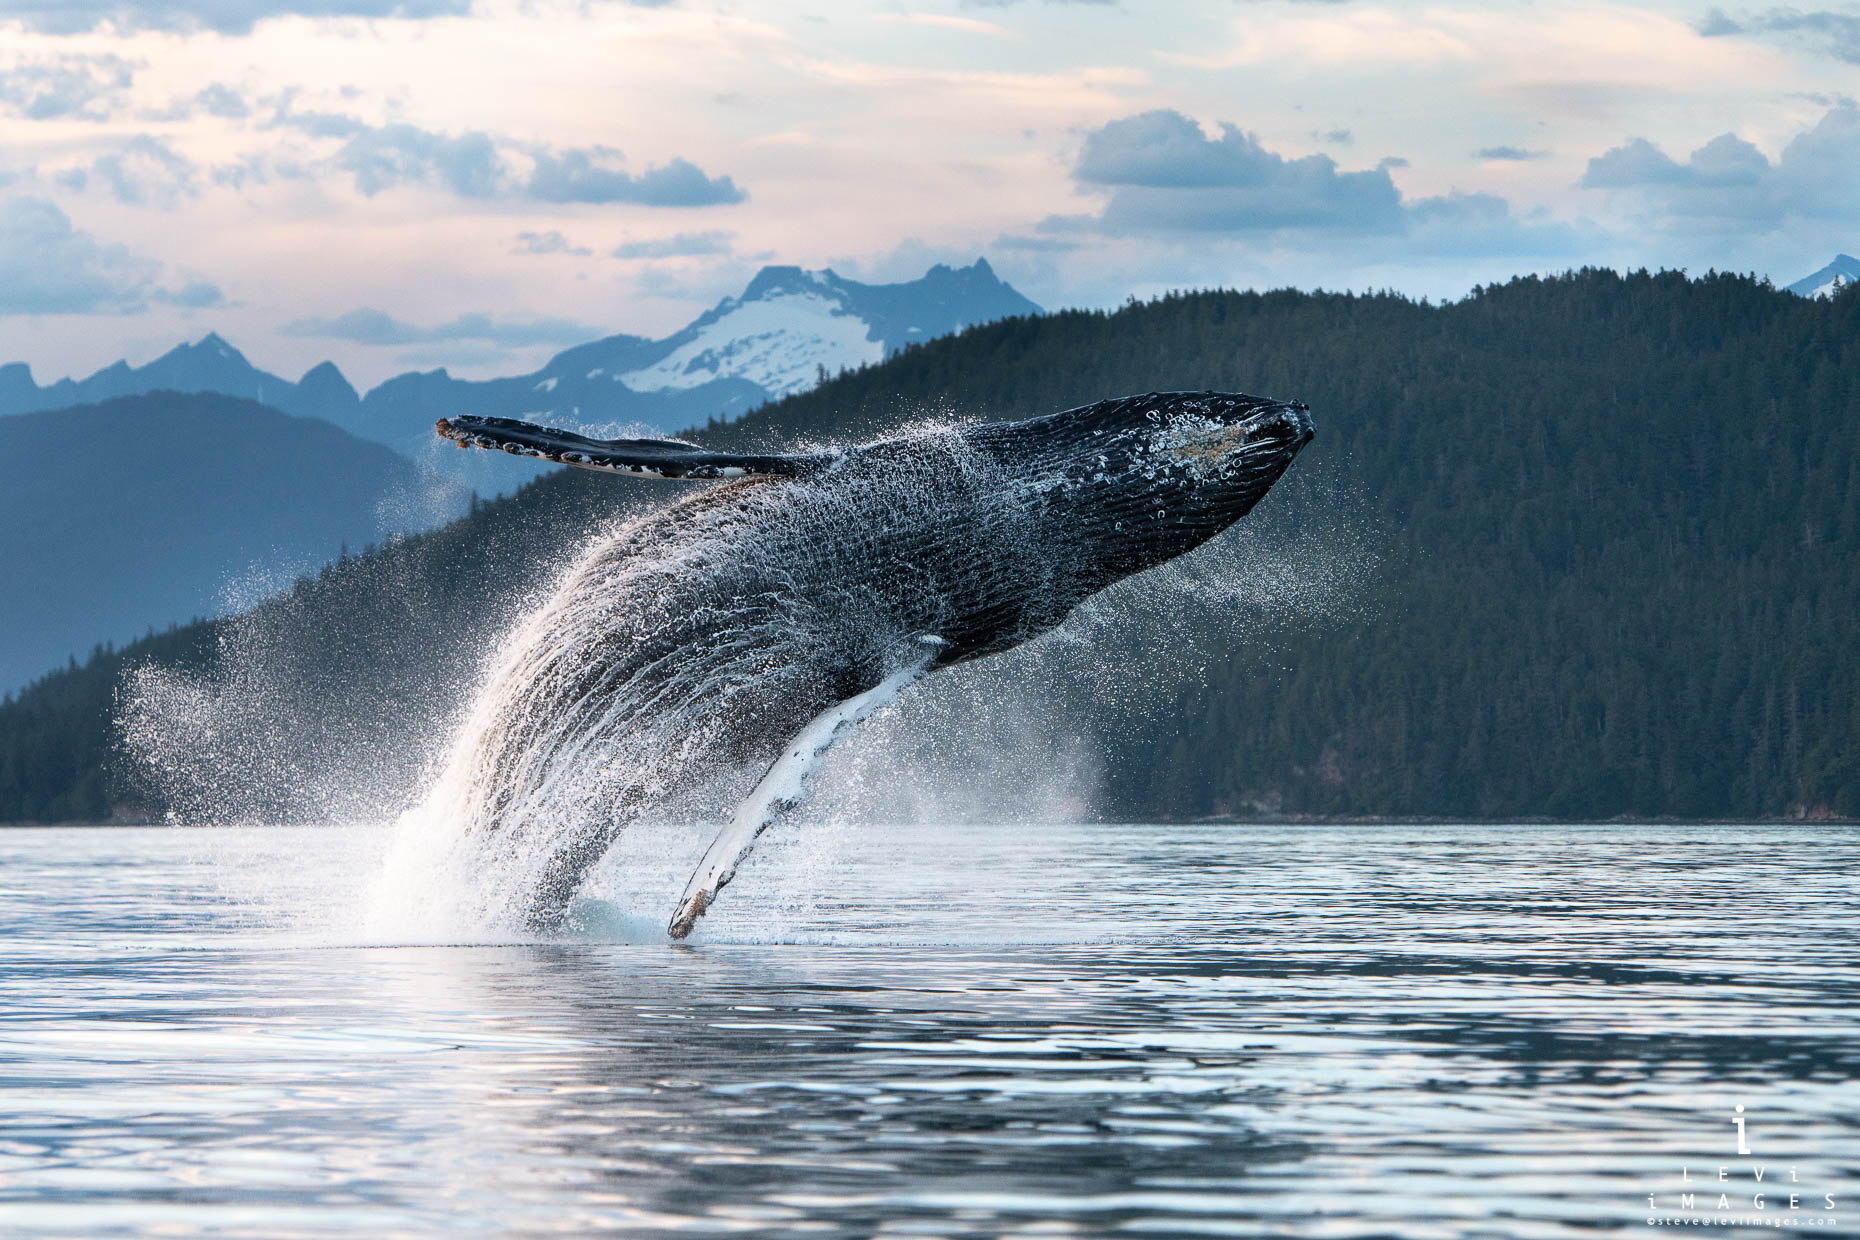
644, 458
785, 784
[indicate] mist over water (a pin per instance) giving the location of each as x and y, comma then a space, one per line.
296, 718
272, 733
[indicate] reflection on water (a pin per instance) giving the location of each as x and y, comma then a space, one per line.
1071, 1031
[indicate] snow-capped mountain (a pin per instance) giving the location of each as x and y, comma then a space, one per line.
787, 328
1844, 270
778, 338
790, 325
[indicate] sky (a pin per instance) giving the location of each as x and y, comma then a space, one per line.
402, 184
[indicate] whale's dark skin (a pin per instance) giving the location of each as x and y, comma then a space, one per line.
703, 637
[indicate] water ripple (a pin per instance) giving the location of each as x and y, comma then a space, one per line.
1452, 1032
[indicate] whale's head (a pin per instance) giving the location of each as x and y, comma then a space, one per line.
1143, 479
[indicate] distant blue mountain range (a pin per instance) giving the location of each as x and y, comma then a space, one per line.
788, 327
154, 509
139, 495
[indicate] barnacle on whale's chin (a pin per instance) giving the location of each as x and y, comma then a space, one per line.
1205, 448
1208, 444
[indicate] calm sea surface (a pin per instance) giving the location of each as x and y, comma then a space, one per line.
1415, 1031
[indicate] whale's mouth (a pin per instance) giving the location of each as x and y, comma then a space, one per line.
1288, 425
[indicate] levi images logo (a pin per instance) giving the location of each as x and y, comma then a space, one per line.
1754, 1194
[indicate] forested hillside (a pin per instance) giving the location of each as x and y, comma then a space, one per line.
1611, 528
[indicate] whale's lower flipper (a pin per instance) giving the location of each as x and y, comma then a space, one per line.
785, 784
645, 458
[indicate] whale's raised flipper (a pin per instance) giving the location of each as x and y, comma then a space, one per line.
785, 784
645, 458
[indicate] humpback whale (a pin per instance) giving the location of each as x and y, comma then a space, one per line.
751, 624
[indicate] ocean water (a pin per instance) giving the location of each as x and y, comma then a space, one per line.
1052, 1031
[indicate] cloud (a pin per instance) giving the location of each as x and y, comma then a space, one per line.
684, 245
590, 175
1466, 224
967, 25
141, 171
1729, 181
1034, 245
319, 124
1166, 175
224, 16
551, 242
1172, 183
380, 158
257, 168
49, 267
475, 165
1500, 154
222, 101
144, 171
1724, 161
1835, 34
86, 87
374, 327
194, 295
217, 99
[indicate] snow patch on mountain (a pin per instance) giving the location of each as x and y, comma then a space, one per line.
1829, 287
1844, 270
779, 342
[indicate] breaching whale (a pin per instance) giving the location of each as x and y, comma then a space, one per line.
753, 623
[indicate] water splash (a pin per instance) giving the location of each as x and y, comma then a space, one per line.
574, 728
682, 650
675, 654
